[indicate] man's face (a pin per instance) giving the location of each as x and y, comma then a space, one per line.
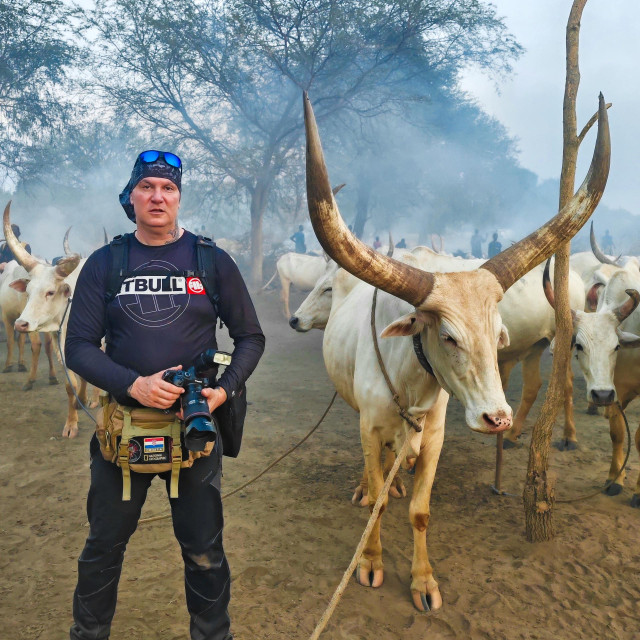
155, 202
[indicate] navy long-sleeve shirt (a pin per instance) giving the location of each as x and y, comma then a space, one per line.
155, 323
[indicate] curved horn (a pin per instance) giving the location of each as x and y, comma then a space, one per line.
65, 243
106, 237
339, 188
546, 285
21, 254
515, 261
598, 252
398, 279
627, 308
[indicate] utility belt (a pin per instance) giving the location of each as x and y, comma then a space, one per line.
144, 440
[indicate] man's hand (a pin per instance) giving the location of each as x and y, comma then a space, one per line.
215, 397
153, 391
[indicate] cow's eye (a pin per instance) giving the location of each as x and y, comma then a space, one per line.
50, 293
617, 347
328, 290
449, 340
579, 347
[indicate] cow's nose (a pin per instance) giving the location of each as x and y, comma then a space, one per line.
293, 322
500, 420
22, 326
603, 397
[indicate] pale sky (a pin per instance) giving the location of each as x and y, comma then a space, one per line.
529, 103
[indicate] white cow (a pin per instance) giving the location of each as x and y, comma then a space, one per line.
606, 344
299, 269
459, 326
48, 290
525, 313
12, 303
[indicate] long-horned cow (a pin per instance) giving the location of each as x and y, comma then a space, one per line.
460, 329
48, 290
12, 303
606, 344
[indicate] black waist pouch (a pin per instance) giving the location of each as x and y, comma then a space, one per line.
230, 418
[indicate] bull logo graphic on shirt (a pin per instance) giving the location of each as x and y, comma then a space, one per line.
154, 300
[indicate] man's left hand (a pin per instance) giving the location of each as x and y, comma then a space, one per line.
215, 397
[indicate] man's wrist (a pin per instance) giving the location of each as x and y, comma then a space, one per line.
130, 388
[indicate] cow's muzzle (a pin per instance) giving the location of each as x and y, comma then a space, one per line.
603, 397
21, 325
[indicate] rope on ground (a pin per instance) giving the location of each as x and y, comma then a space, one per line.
337, 595
265, 470
624, 464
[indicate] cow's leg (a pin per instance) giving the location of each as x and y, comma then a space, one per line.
22, 340
617, 432
397, 489
370, 571
424, 588
94, 397
8, 328
284, 295
49, 345
36, 347
82, 393
70, 429
570, 438
635, 498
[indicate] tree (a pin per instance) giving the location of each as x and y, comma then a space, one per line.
226, 79
34, 58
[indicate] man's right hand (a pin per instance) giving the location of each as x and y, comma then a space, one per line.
153, 391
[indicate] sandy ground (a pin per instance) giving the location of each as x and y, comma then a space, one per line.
290, 536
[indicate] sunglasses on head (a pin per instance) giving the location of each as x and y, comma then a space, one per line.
170, 158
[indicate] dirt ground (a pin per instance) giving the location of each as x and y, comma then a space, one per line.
290, 536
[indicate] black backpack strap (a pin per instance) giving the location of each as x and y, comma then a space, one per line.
206, 257
119, 248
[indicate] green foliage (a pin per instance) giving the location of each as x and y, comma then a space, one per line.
34, 58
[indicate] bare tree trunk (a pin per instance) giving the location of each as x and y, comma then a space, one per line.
539, 491
258, 204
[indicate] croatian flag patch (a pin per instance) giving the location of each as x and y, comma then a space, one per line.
153, 445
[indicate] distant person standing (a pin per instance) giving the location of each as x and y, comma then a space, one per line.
495, 247
376, 243
298, 239
476, 244
607, 242
6, 255
402, 244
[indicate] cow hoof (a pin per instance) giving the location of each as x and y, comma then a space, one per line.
70, 431
592, 410
21, 367
8, 369
426, 602
28, 385
509, 444
360, 497
566, 445
53, 380
397, 489
613, 489
94, 405
635, 500
367, 577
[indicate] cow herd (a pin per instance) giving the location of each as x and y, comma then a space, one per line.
473, 320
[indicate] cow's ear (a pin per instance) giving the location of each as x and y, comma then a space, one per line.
592, 296
408, 325
66, 290
503, 339
20, 285
628, 340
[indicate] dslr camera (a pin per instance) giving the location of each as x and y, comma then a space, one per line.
200, 425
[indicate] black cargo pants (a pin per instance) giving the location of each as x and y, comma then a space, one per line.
197, 524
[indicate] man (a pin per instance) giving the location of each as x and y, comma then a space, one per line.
145, 335
402, 244
6, 255
476, 244
377, 244
607, 243
495, 247
298, 238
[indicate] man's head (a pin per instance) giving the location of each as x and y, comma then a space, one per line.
299, 227
495, 236
159, 171
477, 232
16, 230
